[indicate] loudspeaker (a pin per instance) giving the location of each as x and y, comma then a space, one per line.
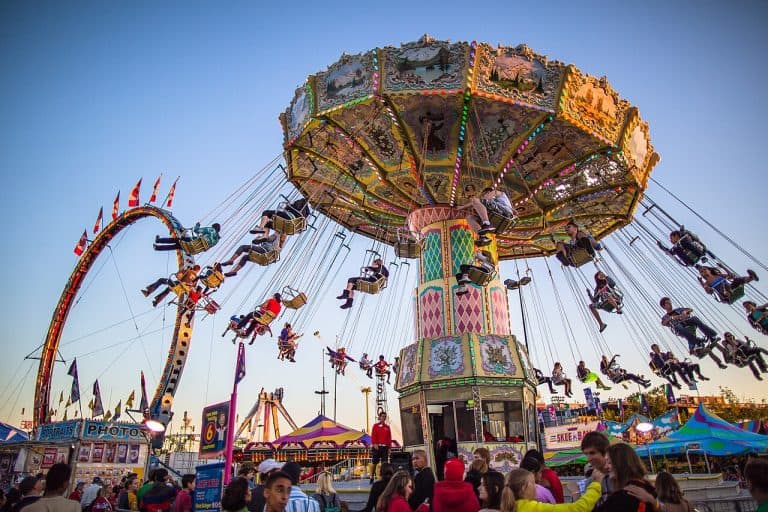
401, 461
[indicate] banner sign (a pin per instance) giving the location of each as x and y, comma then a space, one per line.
106, 431
564, 437
213, 435
59, 431
209, 482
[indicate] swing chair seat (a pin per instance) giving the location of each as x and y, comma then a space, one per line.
289, 226
213, 280
296, 302
736, 294
480, 277
501, 221
265, 318
210, 306
371, 287
579, 256
195, 245
408, 248
263, 258
180, 288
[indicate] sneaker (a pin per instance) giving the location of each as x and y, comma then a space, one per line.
292, 360
483, 241
226, 263
344, 295
230, 274
462, 290
723, 366
603, 327
155, 302
145, 292
486, 228
751, 273
257, 231
701, 377
157, 239
347, 304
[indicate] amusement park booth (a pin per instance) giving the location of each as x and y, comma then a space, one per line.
92, 447
466, 382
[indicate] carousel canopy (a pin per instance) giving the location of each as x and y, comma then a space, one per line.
380, 134
323, 430
706, 431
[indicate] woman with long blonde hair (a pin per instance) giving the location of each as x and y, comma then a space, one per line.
519, 495
325, 493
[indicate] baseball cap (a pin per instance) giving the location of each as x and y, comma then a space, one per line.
268, 465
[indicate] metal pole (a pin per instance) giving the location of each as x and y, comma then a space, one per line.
231, 423
335, 382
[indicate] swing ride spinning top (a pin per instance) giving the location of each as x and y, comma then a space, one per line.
389, 131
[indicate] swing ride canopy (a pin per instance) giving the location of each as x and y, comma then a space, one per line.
706, 431
380, 134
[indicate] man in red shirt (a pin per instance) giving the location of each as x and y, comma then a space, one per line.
270, 307
183, 502
381, 440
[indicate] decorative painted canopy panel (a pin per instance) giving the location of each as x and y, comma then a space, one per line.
380, 134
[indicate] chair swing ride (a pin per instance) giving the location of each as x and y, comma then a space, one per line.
401, 145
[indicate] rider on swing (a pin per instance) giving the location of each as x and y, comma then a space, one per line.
261, 245
491, 199
715, 280
286, 343
684, 325
617, 374
298, 208
270, 307
578, 239
209, 234
382, 368
366, 365
757, 315
543, 379
742, 353
559, 378
686, 248
373, 273
605, 296
186, 276
338, 359
586, 376
485, 265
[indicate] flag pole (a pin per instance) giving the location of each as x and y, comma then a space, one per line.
231, 421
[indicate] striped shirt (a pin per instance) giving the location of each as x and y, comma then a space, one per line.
300, 502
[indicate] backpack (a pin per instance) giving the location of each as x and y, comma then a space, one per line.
333, 506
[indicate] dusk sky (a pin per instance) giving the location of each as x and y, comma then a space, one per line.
95, 95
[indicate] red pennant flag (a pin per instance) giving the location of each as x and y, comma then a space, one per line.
80, 247
171, 194
133, 200
116, 206
97, 226
153, 197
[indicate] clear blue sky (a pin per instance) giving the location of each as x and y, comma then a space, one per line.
95, 95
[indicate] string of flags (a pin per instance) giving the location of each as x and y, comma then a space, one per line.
95, 404
133, 201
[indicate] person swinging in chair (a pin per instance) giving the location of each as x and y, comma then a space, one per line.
757, 316
210, 236
298, 208
559, 379
683, 324
477, 218
262, 245
485, 265
366, 364
723, 283
605, 296
286, 343
743, 353
579, 239
543, 379
686, 248
667, 366
586, 376
372, 273
338, 359
618, 375
186, 278
382, 368
262, 316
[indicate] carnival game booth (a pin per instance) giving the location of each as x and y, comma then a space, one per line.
93, 448
321, 442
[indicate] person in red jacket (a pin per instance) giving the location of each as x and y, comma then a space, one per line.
381, 440
454, 494
396, 494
